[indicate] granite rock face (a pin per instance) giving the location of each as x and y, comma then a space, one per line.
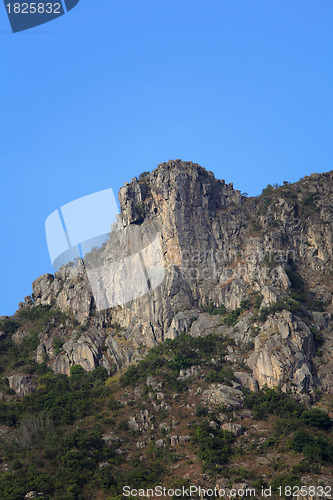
218, 247
21, 384
219, 394
282, 354
86, 351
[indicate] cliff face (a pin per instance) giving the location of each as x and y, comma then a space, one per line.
256, 269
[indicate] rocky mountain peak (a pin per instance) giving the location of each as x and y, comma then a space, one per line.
258, 270
171, 186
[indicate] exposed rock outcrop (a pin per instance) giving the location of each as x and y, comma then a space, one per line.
218, 247
230, 397
21, 384
282, 354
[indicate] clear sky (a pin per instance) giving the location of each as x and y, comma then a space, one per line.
115, 87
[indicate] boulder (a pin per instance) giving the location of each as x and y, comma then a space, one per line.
220, 394
21, 384
235, 429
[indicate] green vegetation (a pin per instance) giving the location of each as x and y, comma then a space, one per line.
71, 439
306, 205
316, 418
143, 174
314, 448
140, 209
295, 300
272, 401
116, 327
230, 318
8, 326
168, 358
37, 421
267, 190
43, 316
219, 374
57, 344
51, 450
285, 480
64, 399
309, 206
211, 309
285, 303
201, 411
298, 287
33, 321
264, 204
296, 280
318, 337
253, 302
271, 259
305, 426
214, 447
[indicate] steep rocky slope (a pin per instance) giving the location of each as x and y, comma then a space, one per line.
273, 252
173, 387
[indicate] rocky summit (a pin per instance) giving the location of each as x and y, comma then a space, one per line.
267, 260
250, 276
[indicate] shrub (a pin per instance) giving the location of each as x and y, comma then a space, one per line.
267, 190
316, 418
318, 336
219, 374
271, 259
256, 227
8, 326
309, 205
211, 309
231, 318
296, 280
314, 448
287, 424
57, 344
268, 401
183, 359
144, 174
116, 327
42, 315
140, 208
100, 376
284, 480
201, 411
285, 303
214, 447
31, 341
114, 405
76, 370
130, 377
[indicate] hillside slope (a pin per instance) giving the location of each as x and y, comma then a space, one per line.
215, 376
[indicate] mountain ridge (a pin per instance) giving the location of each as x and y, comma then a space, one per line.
222, 375
249, 242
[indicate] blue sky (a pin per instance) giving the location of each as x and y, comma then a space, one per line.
114, 88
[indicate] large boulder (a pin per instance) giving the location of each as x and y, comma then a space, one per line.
220, 394
21, 384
